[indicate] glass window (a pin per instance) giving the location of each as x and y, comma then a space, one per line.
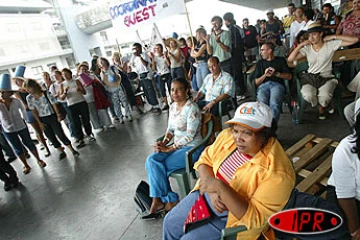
37, 70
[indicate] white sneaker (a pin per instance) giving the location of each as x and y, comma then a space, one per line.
130, 118
111, 126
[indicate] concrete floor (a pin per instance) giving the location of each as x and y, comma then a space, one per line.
92, 197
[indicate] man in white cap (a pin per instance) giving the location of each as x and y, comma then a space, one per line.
273, 27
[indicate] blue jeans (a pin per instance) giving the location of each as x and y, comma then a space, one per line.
161, 84
202, 71
177, 72
160, 165
69, 119
272, 94
173, 227
17, 144
214, 110
149, 91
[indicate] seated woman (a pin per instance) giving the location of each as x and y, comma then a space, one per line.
344, 182
245, 177
184, 127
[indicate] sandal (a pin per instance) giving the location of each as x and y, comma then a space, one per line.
26, 170
42, 163
47, 154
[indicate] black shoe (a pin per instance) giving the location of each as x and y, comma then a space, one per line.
81, 144
166, 107
157, 111
76, 153
27, 155
11, 159
15, 183
158, 214
7, 187
62, 155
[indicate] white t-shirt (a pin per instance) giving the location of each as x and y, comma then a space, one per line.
346, 170
10, 119
139, 66
295, 28
173, 62
321, 61
161, 65
54, 89
73, 96
41, 104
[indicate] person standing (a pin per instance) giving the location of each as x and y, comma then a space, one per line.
273, 27
7, 173
141, 63
73, 91
46, 112
251, 39
297, 25
237, 54
13, 124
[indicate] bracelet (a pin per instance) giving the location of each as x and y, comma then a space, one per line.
167, 139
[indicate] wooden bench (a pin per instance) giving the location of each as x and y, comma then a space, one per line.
312, 157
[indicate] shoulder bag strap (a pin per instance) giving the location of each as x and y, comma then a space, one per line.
45, 94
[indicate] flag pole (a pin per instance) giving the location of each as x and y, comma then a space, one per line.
117, 43
188, 18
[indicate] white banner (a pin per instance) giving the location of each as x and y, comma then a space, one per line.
130, 15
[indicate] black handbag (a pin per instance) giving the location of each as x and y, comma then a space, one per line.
142, 198
59, 106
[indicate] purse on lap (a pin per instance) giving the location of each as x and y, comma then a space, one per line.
199, 214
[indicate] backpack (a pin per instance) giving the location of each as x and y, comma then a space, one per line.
217, 127
142, 198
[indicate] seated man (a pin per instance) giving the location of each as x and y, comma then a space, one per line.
270, 73
217, 86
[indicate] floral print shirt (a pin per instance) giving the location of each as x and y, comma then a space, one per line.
185, 125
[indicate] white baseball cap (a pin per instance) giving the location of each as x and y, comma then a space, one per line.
270, 10
252, 115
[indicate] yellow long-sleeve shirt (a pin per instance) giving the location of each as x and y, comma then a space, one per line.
266, 182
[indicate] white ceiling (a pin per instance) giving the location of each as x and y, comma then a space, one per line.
260, 4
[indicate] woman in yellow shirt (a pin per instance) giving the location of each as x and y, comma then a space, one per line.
245, 177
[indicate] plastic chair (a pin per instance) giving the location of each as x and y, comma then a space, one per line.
303, 66
224, 108
183, 176
231, 233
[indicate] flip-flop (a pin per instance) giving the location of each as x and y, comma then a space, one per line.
26, 170
42, 163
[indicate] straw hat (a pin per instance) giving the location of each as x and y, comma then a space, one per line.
5, 83
112, 79
167, 42
315, 27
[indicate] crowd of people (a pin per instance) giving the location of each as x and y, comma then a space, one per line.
245, 175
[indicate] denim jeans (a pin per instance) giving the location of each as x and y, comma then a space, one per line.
161, 84
160, 165
14, 140
202, 71
272, 94
173, 227
6, 147
69, 119
149, 91
214, 110
177, 72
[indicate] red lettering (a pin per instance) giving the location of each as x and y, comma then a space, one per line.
152, 9
138, 17
295, 220
304, 219
318, 218
145, 14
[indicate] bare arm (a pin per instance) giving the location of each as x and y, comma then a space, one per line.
198, 53
346, 39
348, 205
296, 54
80, 87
